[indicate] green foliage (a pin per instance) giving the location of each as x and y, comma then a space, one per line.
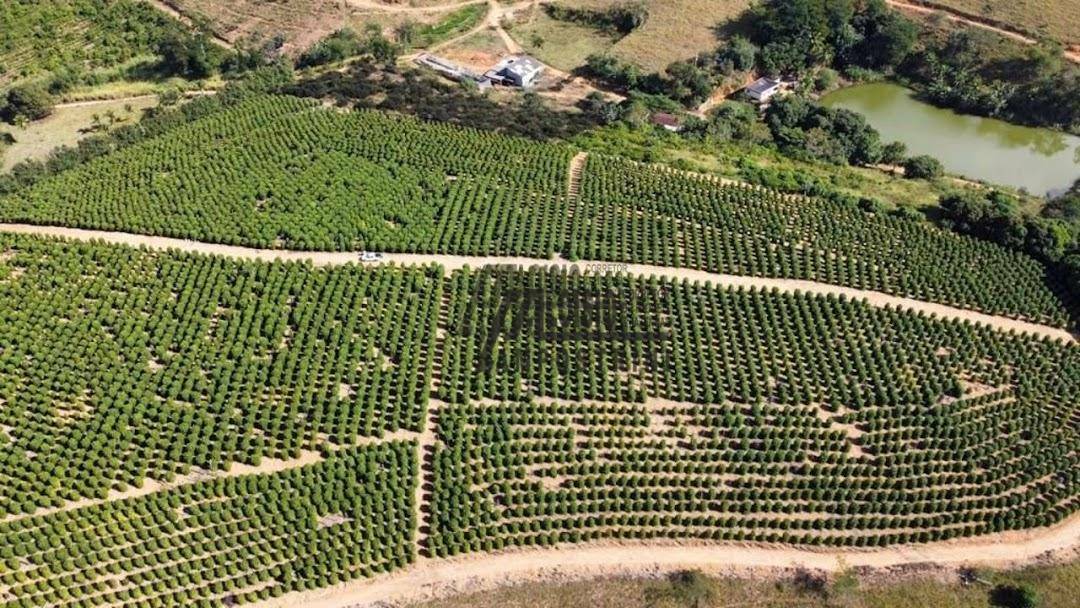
797, 35
411, 34
894, 153
120, 365
42, 36
346, 43
1036, 87
1013, 596
784, 418
285, 173
29, 102
210, 542
189, 55
621, 18
737, 54
803, 128
923, 167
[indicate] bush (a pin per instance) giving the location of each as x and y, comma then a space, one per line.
1014, 596
28, 101
923, 167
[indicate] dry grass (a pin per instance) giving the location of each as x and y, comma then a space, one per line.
64, 128
1057, 586
560, 44
676, 29
1057, 19
302, 22
478, 52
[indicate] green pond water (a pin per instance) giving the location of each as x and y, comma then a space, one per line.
1040, 160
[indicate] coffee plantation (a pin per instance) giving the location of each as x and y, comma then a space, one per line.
220, 542
118, 365
282, 172
386, 413
762, 417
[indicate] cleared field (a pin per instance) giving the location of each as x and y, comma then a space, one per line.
1057, 586
560, 44
284, 173
65, 127
301, 22
676, 29
1056, 19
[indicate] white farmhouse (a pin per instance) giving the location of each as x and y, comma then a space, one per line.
518, 70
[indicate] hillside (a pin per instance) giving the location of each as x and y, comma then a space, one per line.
1056, 19
342, 334
286, 174
45, 36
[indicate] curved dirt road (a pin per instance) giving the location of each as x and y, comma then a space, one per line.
428, 579
961, 18
455, 262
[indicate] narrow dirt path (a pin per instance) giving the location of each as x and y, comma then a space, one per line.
372, 5
573, 175
441, 578
457, 262
953, 15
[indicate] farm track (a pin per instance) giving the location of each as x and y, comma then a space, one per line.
430, 579
456, 262
925, 7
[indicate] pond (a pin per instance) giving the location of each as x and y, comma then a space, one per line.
1040, 160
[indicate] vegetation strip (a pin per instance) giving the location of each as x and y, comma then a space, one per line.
286, 174
456, 262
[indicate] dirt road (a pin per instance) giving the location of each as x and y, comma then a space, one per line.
455, 262
928, 8
429, 579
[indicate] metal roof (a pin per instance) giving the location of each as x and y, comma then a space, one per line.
762, 85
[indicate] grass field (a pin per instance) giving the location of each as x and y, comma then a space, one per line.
676, 29
1057, 19
561, 44
1058, 587
65, 127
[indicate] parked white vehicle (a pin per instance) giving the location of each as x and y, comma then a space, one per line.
371, 256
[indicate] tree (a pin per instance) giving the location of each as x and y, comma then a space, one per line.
825, 79
28, 101
739, 54
923, 167
893, 153
188, 55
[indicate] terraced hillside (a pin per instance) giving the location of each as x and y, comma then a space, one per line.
281, 172
572, 408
